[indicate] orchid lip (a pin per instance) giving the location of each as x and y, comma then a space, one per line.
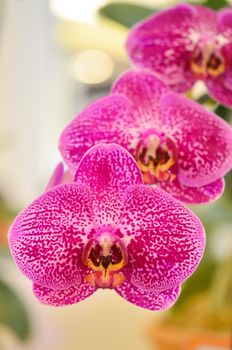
207, 60
156, 155
105, 255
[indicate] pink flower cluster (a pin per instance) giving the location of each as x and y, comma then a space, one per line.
179, 146
115, 219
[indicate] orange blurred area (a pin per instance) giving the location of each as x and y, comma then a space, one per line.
173, 338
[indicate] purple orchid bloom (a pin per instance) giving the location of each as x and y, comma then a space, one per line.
178, 145
107, 230
184, 44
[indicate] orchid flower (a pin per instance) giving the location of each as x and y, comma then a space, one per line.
107, 230
179, 146
184, 44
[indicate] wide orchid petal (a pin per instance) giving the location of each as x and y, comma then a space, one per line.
109, 119
163, 43
166, 240
145, 90
72, 295
157, 300
221, 89
107, 170
205, 20
176, 18
194, 195
47, 238
224, 19
204, 140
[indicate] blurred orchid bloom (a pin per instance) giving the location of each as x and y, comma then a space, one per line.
184, 44
178, 145
107, 230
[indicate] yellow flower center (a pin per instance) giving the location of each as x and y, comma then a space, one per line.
105, 257
207, 61
156, 155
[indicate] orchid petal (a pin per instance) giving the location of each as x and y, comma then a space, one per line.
145, 90
163, 43
226, 52
204, 140
175, 18
58, 177
194, 195
47, 238
224, 19
205, 20
72, 295
220, 87
107, 170
157, 300
67, 177
221, 90
108, 120
166, 240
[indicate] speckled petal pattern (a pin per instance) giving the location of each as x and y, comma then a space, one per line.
144, 89
176, 18
47, 238
205, 20
63, 297
107, 170
194, 195
156, 242
157, 300
162, 43
224, 19
220, 92
109, 119
204, 140
166, 239
166, 42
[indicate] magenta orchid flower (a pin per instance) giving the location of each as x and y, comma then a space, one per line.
178, 145
107, 230
184, 44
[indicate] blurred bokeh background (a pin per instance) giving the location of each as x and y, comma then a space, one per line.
55, 57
